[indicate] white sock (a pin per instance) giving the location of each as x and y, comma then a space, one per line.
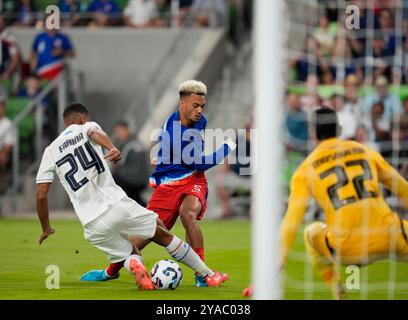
182, 252
127, 261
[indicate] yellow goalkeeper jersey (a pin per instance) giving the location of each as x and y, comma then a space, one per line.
344, 178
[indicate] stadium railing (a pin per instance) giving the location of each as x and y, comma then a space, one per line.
27, 119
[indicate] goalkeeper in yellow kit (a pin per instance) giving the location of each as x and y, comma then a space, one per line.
344, 178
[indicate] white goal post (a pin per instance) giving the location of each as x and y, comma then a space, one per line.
268, 150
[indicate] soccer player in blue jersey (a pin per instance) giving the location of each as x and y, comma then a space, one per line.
179, 180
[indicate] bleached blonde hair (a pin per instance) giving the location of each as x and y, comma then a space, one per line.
192, 87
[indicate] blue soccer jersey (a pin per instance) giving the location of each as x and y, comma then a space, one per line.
181, 152
43, 46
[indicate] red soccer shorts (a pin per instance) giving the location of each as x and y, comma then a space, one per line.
167, 199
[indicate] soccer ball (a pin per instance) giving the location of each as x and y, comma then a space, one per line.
166, 274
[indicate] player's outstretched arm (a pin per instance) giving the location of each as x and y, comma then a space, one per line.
101, 138
209, 161
392, 179
43, 212
297, 205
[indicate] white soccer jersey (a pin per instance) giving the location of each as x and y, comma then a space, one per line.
82, 170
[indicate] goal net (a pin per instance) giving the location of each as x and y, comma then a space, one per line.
350, 56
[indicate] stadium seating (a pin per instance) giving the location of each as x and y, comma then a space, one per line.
26, 128
7, 85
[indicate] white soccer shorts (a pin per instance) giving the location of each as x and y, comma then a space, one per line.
111, 230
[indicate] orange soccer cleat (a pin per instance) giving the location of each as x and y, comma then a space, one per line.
141, 275
248, 292
216, 279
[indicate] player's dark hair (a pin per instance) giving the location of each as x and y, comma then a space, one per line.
325, 123
122, 123
74, 108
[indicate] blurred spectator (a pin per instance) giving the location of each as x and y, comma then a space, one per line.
382, 129
327, 77
103, 12
391, 102
309, 61
5, 33
400, 73
351, 87
131, 173
208, 13
401, 133
363, 137
31, 89
7, 141
27, 13
331, 9
403, 123
362, 134
386, 22
379, 63
70, 12
11, 57
347, 119
296, 124
324, 35
342, 57
145, 13
231, 179
10, 63
184, 10
49, 51
310, 100
352, 101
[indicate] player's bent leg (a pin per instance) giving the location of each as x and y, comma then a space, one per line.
182, 252
113, 269
321, 257
189, 212
190, 209
114, 246
139, 243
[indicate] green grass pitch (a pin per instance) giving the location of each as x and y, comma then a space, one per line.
23, 266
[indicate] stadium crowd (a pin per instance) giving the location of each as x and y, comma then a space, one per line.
131, 13
361, 73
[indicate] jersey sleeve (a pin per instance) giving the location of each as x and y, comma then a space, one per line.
193, 152
391, 178
34, 46
90, 126
47, 169
297, 204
